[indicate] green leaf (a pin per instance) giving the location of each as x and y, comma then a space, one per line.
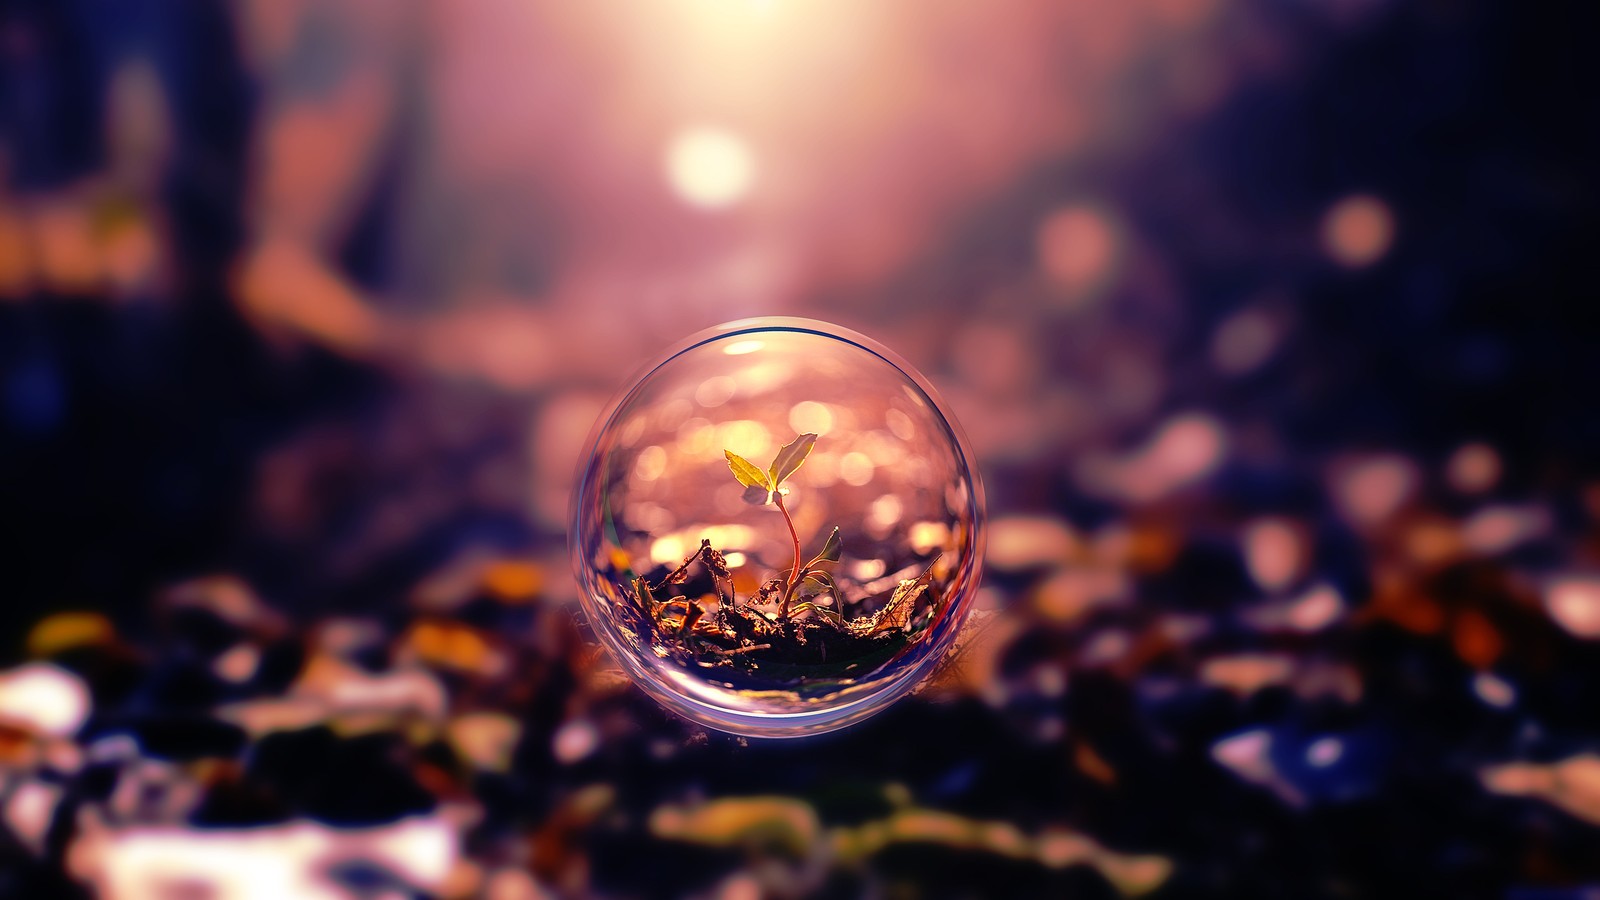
830, 550
826, 581
821, 612
746, 471
820, 577
756, 495
790, 457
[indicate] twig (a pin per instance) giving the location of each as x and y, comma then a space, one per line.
753, 647
679, 574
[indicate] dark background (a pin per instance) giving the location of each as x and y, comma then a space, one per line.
1269, 321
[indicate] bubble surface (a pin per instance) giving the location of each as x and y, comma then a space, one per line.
685, 556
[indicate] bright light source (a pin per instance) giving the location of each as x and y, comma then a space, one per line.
709, 167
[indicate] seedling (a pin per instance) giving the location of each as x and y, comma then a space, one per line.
802, 632
766, 487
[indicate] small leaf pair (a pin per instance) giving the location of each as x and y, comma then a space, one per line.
767, 487
760, 486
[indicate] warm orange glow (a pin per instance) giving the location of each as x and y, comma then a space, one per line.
1371, 490
1078, 249
1274, 553
1358, 231
1473, 468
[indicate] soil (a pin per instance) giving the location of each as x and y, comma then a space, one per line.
758, 649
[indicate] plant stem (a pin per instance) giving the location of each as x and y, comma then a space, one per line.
794, 575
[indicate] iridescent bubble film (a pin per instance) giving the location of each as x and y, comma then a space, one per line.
777, 529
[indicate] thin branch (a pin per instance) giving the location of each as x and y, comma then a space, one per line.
737, 650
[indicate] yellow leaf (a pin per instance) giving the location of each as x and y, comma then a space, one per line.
746, 471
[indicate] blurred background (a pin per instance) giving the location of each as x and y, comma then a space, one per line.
1265, 317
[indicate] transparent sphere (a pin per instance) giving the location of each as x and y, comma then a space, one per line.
777, 529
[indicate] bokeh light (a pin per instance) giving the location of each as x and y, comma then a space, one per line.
1358, 230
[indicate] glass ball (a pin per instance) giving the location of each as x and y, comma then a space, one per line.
777, 528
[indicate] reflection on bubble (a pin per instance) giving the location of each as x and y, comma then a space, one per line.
809, 415
856, 468
696, 436
882, 515
715, 391
925, 537
652, 462
790, 613
901, 424
667, 549
740, 348
751, 435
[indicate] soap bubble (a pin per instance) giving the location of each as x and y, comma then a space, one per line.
686, 558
